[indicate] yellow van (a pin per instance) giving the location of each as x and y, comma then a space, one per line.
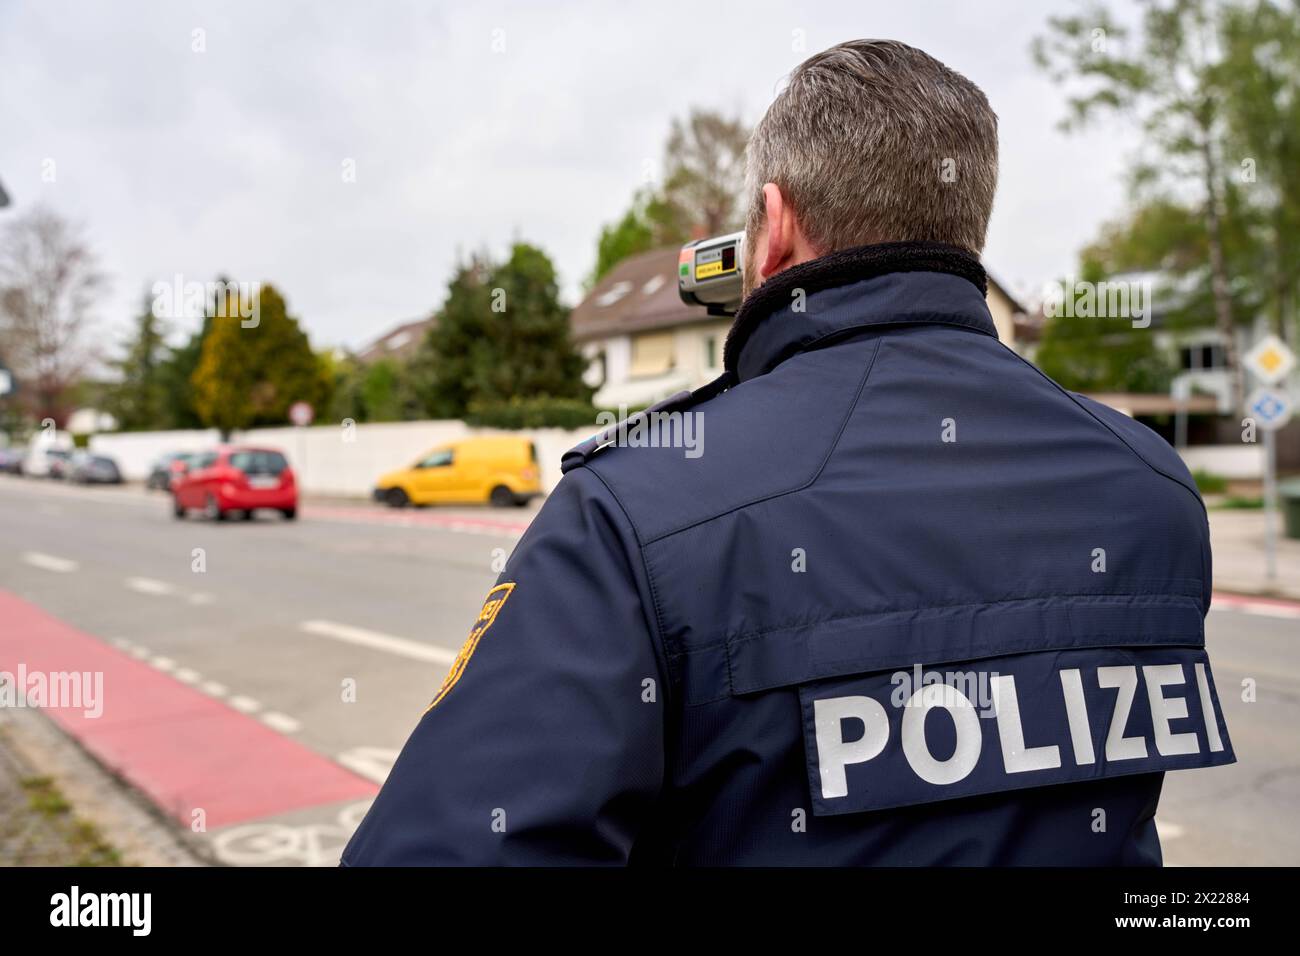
499, 469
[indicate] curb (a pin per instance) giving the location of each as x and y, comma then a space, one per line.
125, 818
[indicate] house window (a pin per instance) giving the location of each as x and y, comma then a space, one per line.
596, 371
1197, 357
651, 354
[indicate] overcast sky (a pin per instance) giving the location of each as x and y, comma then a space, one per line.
470, 125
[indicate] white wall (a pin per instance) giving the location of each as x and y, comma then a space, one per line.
1227, 461
327, 464
135, 452
345, 460
333, 459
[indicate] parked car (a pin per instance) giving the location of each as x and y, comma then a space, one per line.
87, 469
11, 461
165, 468
47, 454
235, 478
57, 462
499, 469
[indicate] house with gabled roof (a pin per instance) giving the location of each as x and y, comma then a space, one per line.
642, 343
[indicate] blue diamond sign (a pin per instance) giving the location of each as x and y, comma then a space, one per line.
1270, 407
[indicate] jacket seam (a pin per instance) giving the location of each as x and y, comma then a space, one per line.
1095, 417
847, 667
657, 619
1207, 571
857, 397
758, 635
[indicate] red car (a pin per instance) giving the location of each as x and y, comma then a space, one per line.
235, 478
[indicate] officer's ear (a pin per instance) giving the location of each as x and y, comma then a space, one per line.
782, 242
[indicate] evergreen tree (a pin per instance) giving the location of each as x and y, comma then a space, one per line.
444, 367
139, 400
249, 376
531, 354
502, 336
175, 375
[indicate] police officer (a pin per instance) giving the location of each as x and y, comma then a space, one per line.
907, 601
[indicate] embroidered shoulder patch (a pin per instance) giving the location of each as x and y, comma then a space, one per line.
491, 608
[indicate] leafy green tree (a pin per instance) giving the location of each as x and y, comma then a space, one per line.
1259, 86
704, 174
1165, 78
1102, 354
249, 376
382, 393
345, 373
632, 234
139, 399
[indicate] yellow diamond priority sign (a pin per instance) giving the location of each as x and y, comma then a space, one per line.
1270, 360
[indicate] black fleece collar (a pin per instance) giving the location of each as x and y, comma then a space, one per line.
772, 301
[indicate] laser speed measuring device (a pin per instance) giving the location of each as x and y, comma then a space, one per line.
710, 272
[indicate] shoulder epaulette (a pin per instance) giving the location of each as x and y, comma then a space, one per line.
584, 451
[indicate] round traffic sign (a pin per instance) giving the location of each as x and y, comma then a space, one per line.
301, 414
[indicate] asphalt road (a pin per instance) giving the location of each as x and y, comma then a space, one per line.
335, 630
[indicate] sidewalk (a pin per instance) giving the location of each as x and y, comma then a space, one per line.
1237, 539
38, 827
58, 807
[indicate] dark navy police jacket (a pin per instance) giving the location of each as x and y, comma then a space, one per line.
905, 602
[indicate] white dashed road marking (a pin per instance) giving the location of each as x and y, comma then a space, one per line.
277, 721
281, 722
1169, 831
380, 642
373, 763
149, 586
245, 705
48, 562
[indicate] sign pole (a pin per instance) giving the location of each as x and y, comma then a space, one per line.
1270, 361
302, 415
1270, 505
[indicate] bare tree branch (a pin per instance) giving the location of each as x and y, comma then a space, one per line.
49, 282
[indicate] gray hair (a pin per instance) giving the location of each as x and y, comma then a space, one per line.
875, 141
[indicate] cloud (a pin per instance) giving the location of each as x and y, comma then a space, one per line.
469, 126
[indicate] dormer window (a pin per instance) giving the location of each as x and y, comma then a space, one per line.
616, 292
